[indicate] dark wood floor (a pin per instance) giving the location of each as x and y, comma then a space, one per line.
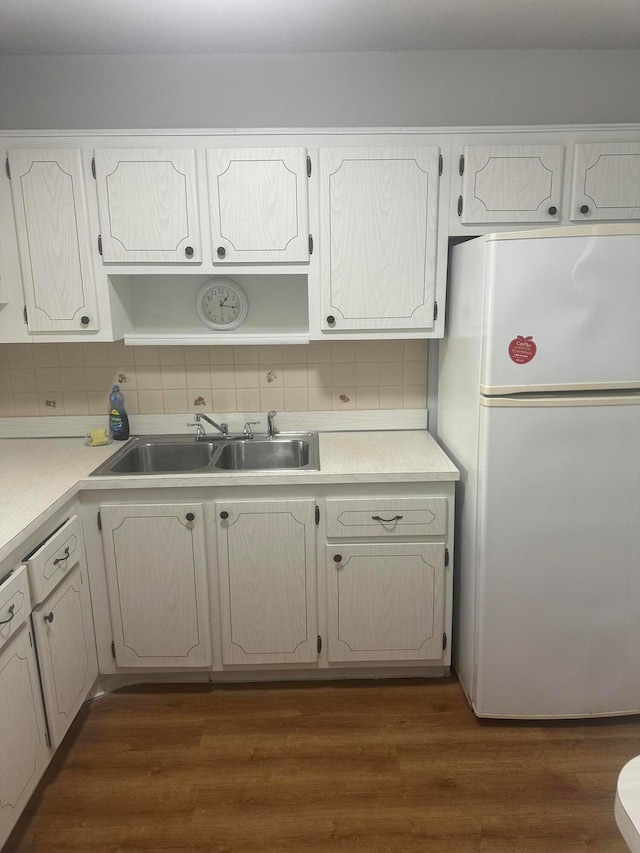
368, 767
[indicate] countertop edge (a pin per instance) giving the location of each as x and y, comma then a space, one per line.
346, 458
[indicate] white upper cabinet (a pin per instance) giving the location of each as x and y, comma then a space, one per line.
54, 240
606, 181
511, 183
378, 216
258, 203
148, 205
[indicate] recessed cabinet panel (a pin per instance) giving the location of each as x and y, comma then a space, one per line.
157, 581
63, 550
267, 566
148, 203
386, 602
386, 517
606, 181
23, 749
63, 627
258, 199
54, 241
512, 183
379, 210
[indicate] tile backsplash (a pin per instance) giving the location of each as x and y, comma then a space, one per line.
75, 379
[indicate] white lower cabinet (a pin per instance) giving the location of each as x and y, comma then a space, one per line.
62, 622
156, 573
65, 639
388, 579
386, 602
267, 578
24, 752
228, 580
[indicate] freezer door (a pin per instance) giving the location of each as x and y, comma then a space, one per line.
558, 562
561, 313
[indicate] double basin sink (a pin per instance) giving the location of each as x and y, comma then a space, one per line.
175, 454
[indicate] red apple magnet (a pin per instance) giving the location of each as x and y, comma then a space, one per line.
522, 349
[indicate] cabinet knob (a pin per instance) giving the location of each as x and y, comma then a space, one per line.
224, 515
331, 320
189, 251
85, 320
189, 516
584, 208
221, 252
337, 558
49, 617
553, 210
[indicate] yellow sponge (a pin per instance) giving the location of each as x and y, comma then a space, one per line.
98, 437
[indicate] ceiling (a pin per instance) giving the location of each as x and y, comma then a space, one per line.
68, 27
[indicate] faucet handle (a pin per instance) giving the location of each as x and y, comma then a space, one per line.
247, 428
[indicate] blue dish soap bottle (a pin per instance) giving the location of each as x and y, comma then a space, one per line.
118, 418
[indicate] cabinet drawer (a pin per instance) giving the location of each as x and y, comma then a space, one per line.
15, 605
51, 561
387, 517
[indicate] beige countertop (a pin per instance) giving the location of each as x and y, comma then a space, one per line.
40, 475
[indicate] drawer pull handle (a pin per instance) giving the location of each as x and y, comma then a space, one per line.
64, 557
12, 613
386, 520
49, 618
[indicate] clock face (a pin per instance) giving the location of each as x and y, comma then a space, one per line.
222, 304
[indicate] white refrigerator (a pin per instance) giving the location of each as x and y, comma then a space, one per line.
539, 407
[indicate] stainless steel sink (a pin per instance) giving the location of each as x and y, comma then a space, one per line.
257, 454
175, 454
149, 458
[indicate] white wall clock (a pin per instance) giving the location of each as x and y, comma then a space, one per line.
222, 304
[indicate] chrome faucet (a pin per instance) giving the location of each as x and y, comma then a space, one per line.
200, 430
271, 429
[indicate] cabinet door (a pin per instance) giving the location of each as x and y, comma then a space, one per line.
24, 753
386, 602
66, 644
148, 203
267, 566
157, 581
259, 206
54, 240
606, 181
511, 183
379, 213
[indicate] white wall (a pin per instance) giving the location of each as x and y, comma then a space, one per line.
434, 88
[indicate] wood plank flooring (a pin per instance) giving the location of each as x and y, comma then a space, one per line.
355, 767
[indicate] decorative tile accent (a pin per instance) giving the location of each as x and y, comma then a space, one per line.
320, 376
